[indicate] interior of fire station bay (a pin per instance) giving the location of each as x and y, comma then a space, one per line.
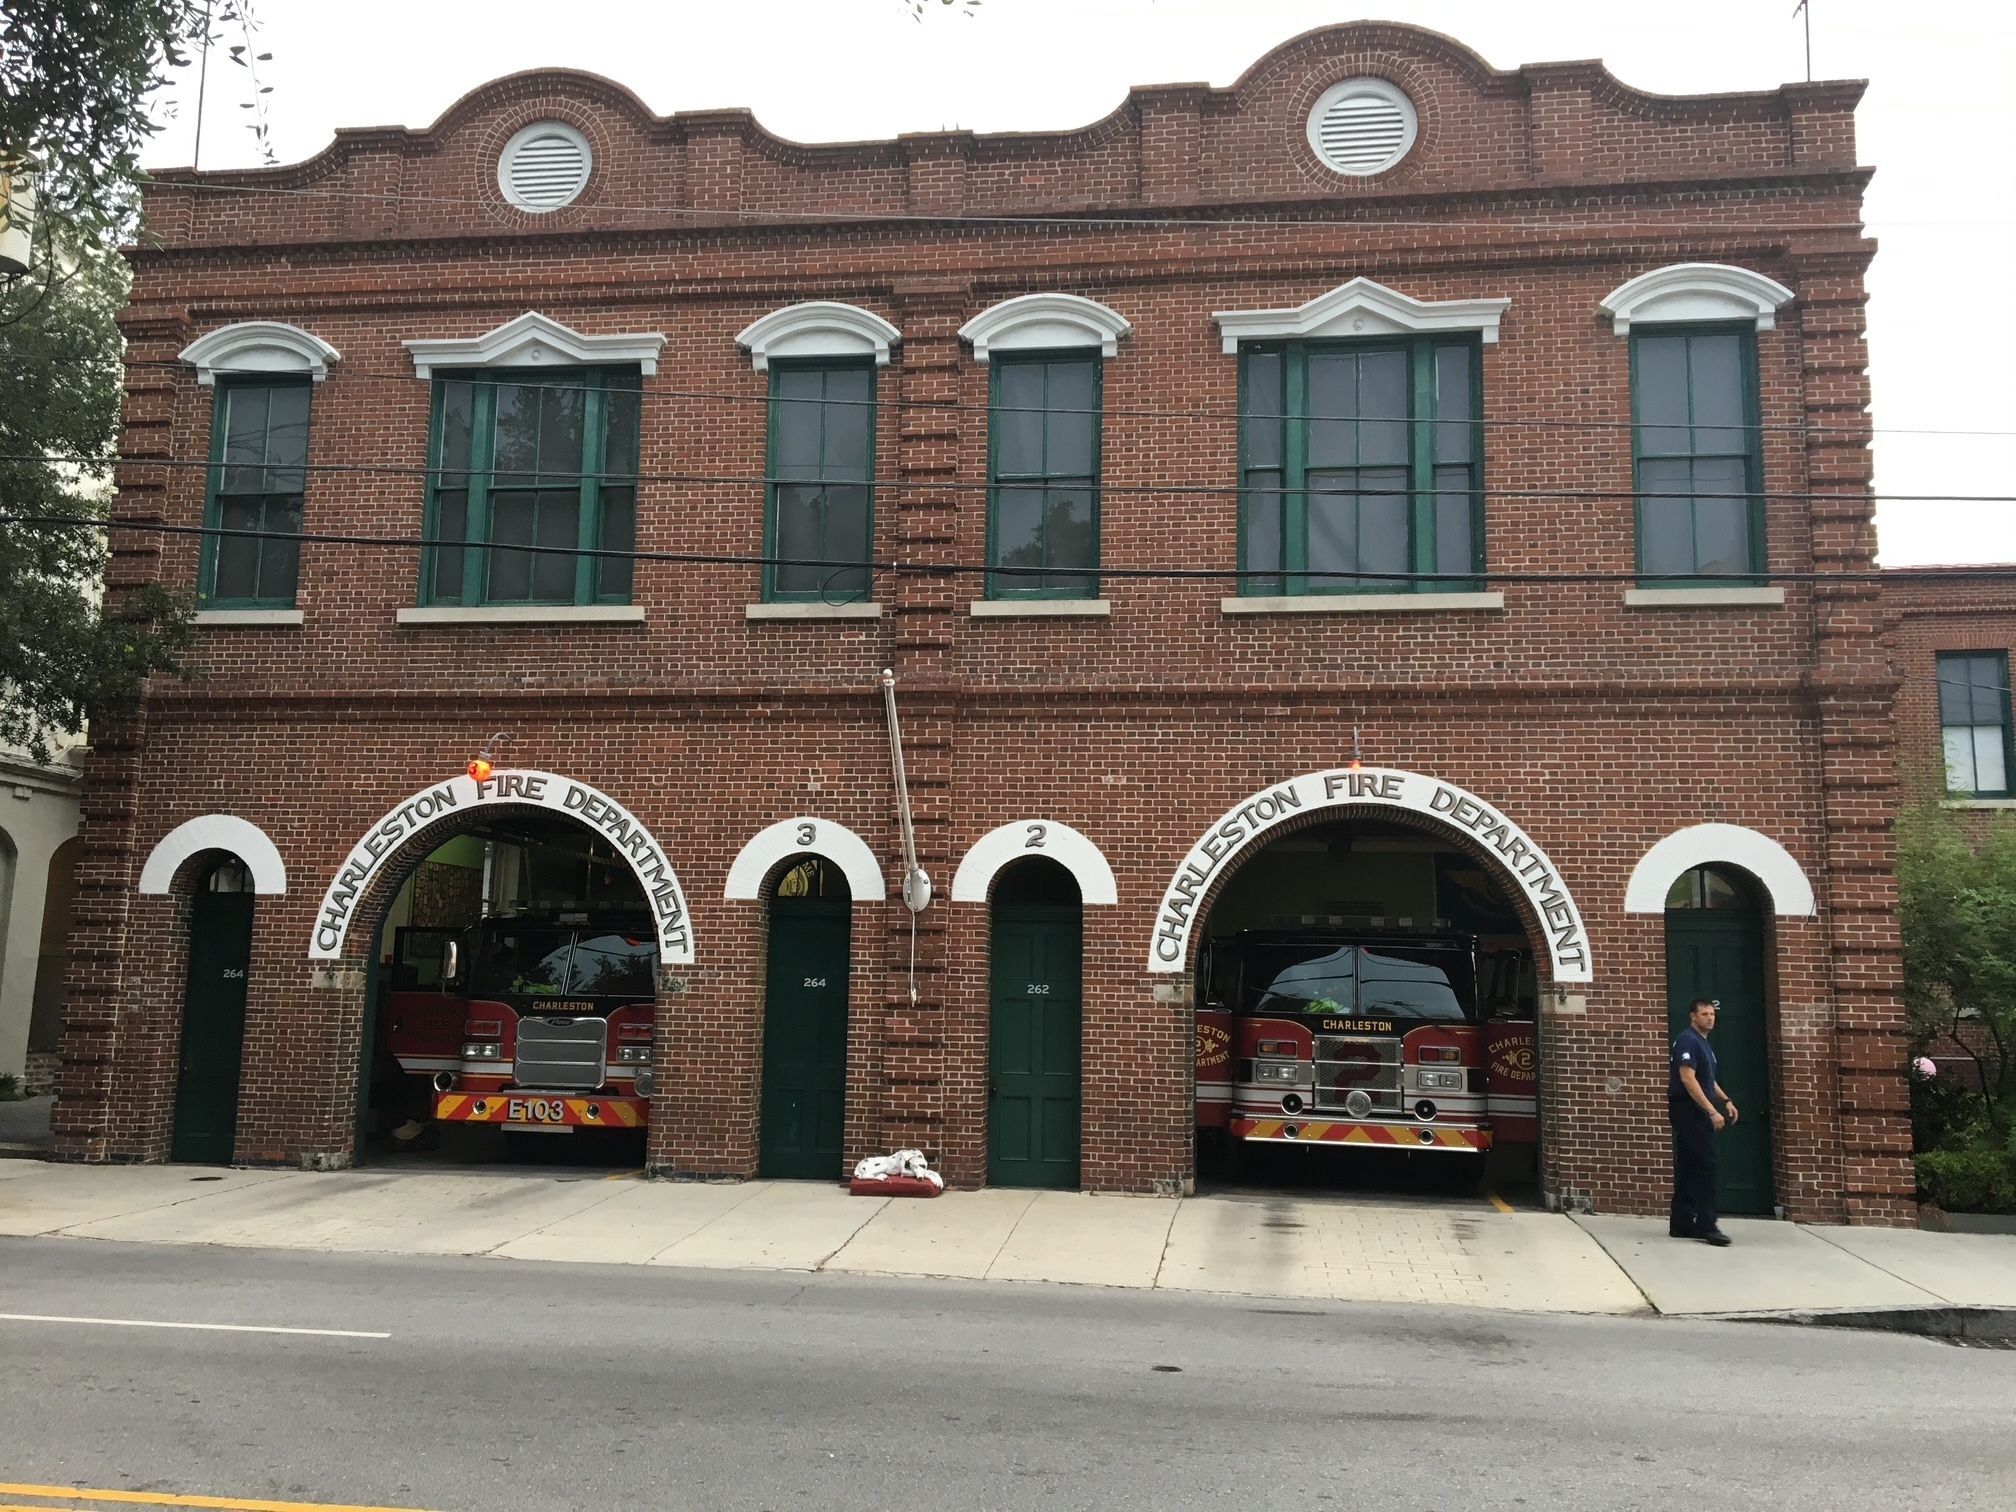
1366, 987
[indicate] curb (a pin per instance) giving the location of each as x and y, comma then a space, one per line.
1953, 1324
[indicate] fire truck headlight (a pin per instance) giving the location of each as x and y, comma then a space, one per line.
633, 1055
1289, 1072
1440, 1081
481, 1050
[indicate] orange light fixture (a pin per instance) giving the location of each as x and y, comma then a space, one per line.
480, 769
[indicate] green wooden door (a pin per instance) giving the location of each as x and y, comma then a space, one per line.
1720, 954
213, 1028
804, 1105
1034, 1029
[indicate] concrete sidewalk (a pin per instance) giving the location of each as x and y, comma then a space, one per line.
1457, 1252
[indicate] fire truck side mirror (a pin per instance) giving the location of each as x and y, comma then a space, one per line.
451, 961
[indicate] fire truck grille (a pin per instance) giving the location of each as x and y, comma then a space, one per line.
560, 1052
1345, 1065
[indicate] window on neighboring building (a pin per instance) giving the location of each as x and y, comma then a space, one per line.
1694, 407
1974, 722
1043, 465
545, 460
822, 461
258, 471
1360, 464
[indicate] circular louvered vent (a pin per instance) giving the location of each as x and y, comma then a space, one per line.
544, 167
1362, 127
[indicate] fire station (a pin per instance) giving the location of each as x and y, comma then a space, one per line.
1299, 622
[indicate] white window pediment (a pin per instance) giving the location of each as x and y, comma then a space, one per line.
259, 346
818, 328
1045, 322
534, 340
1684, 293
1361, 308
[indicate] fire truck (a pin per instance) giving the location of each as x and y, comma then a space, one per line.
536, 1023
1367, 1039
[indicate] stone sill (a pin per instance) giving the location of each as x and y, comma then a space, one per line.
1978, 803
524, 614
1364, 603
813, 611
1098, 608
207, 619
1704, 598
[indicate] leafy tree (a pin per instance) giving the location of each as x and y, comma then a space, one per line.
1957, 912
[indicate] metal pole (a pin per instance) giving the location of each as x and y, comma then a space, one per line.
202, 83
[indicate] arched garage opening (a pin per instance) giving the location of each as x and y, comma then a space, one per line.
1368, 950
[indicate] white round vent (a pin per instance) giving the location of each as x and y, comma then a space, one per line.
544, 167
1362, 126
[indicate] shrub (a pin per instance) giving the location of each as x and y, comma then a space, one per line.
1978, 1180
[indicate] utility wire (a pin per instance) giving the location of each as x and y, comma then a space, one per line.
1540, 422
1992, 573
536, 480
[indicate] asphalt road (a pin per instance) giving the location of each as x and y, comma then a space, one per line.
506, 1385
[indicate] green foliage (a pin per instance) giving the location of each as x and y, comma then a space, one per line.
64, 657
10, 1088
1978, 1180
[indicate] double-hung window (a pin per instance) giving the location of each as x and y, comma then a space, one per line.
1043, 475
532, 473
1974, 722
1360, 467
258, 472
1694, 412
819, 524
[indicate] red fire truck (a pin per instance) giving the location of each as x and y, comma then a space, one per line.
1366, 1039
535, 1023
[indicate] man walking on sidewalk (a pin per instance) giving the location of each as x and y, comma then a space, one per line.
1692, 1096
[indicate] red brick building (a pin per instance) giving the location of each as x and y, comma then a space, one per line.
1312, 406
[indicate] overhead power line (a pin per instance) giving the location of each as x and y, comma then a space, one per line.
657, 394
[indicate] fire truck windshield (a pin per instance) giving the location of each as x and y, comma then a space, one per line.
543, 960
1427, 983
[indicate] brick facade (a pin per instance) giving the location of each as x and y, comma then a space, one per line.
1599, 729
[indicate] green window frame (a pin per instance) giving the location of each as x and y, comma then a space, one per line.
566, 477
819, 505
1697, 468
1043, 455
1975, 730
257, 479
1361, 457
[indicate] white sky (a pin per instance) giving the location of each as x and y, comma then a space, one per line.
1939, 122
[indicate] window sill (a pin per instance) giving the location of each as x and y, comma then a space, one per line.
1034, 608
794, 611
1364, 603
1704, 598
1978, 803
207, 619
523, 614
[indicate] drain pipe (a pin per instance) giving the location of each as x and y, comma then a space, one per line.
916, 881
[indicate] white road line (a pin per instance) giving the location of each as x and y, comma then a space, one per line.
325, 1333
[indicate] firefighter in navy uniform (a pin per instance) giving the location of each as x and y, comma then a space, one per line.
1697, 1108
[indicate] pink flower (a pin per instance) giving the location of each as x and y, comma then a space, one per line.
1925, 1066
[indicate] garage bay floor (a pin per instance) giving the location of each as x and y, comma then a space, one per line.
1466, 1252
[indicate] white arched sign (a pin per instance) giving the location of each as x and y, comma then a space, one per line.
807, 835
1034, 837
1704, 845
218, 832
1249, 823
563, 795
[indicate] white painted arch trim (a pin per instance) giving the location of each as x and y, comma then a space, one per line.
1034, 837
1681, 293
1045, 322
215, 832
793, 840
818, 328
259, 346
522, 787
535, 340
1250, 824
1361, 308
1707, 844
